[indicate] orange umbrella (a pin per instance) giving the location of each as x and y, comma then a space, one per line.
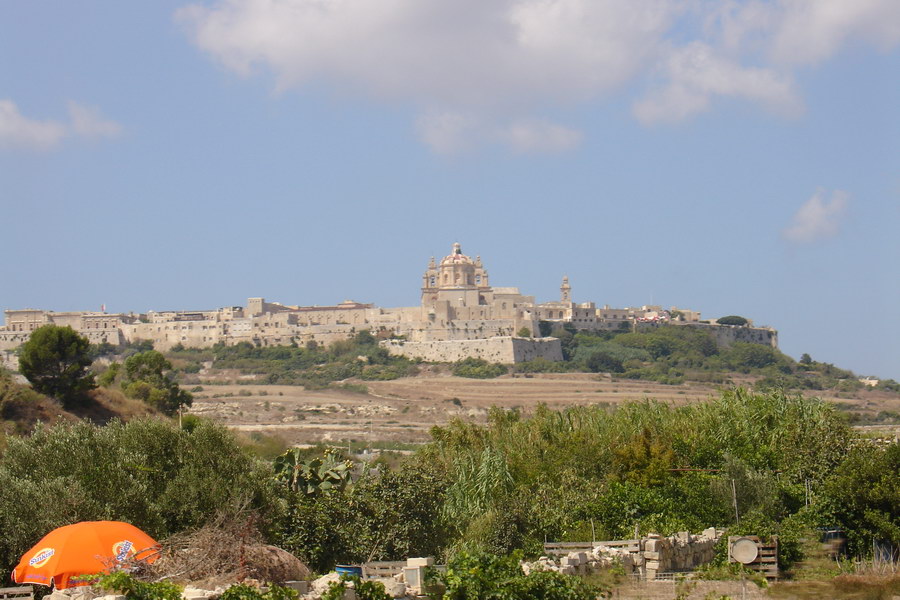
84, 548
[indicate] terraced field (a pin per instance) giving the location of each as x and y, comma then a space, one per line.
404, 410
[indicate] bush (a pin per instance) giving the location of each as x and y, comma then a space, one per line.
541, 365
133, 589
601, 362
146, 472
482, 576
478, 368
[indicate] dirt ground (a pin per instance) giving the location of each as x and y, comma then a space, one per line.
403, 410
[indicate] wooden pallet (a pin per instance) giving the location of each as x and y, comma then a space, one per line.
766, 562
381, 568
17, 593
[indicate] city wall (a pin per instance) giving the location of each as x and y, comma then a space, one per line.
497, 350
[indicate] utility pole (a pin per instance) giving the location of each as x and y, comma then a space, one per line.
737, 517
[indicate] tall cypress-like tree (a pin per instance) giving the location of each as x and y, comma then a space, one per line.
55, 360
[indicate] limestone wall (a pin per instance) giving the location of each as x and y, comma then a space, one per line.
506, 350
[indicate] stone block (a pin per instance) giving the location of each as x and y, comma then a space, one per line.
425, 561
652, 545
392, 587
651, 555
566, 570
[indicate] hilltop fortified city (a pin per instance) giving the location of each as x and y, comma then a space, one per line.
460, 315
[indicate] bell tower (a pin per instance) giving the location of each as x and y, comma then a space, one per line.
565, 291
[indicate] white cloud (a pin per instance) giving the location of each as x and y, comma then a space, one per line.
490, 60
696, 74
448, 132
532, 136
445, 132
818, 218
464, 53
88, 122
813, 30
20, 132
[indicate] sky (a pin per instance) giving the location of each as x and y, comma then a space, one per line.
723, 156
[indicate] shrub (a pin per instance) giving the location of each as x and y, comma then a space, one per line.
482, 576
601, 362
133, 589
146, 472
478, 368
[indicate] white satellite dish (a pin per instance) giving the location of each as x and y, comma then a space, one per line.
744, 550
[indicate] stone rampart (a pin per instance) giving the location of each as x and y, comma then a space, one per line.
506, 350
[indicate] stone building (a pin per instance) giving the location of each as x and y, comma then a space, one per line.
460, 314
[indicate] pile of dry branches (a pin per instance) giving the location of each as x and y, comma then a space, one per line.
226, 550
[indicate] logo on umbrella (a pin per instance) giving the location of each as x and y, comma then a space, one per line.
122, 550
41, 557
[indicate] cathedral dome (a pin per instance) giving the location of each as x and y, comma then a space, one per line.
457, 257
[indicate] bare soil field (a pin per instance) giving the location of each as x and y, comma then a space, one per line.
404, 410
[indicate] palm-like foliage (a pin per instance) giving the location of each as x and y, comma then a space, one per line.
312, 476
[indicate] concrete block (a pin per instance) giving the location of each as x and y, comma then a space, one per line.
301, 587
415, 578
426, 561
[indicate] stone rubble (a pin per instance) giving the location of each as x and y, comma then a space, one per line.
657, 554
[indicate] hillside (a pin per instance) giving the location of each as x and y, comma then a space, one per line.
21, 408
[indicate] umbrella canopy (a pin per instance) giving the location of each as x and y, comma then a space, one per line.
82, 549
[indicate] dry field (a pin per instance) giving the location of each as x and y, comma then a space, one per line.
405, 409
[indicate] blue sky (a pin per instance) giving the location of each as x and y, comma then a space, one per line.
730, 157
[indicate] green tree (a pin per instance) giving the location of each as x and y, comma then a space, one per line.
732, 320
863, 496
148, 379
602, 362
524, 332
55, 360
